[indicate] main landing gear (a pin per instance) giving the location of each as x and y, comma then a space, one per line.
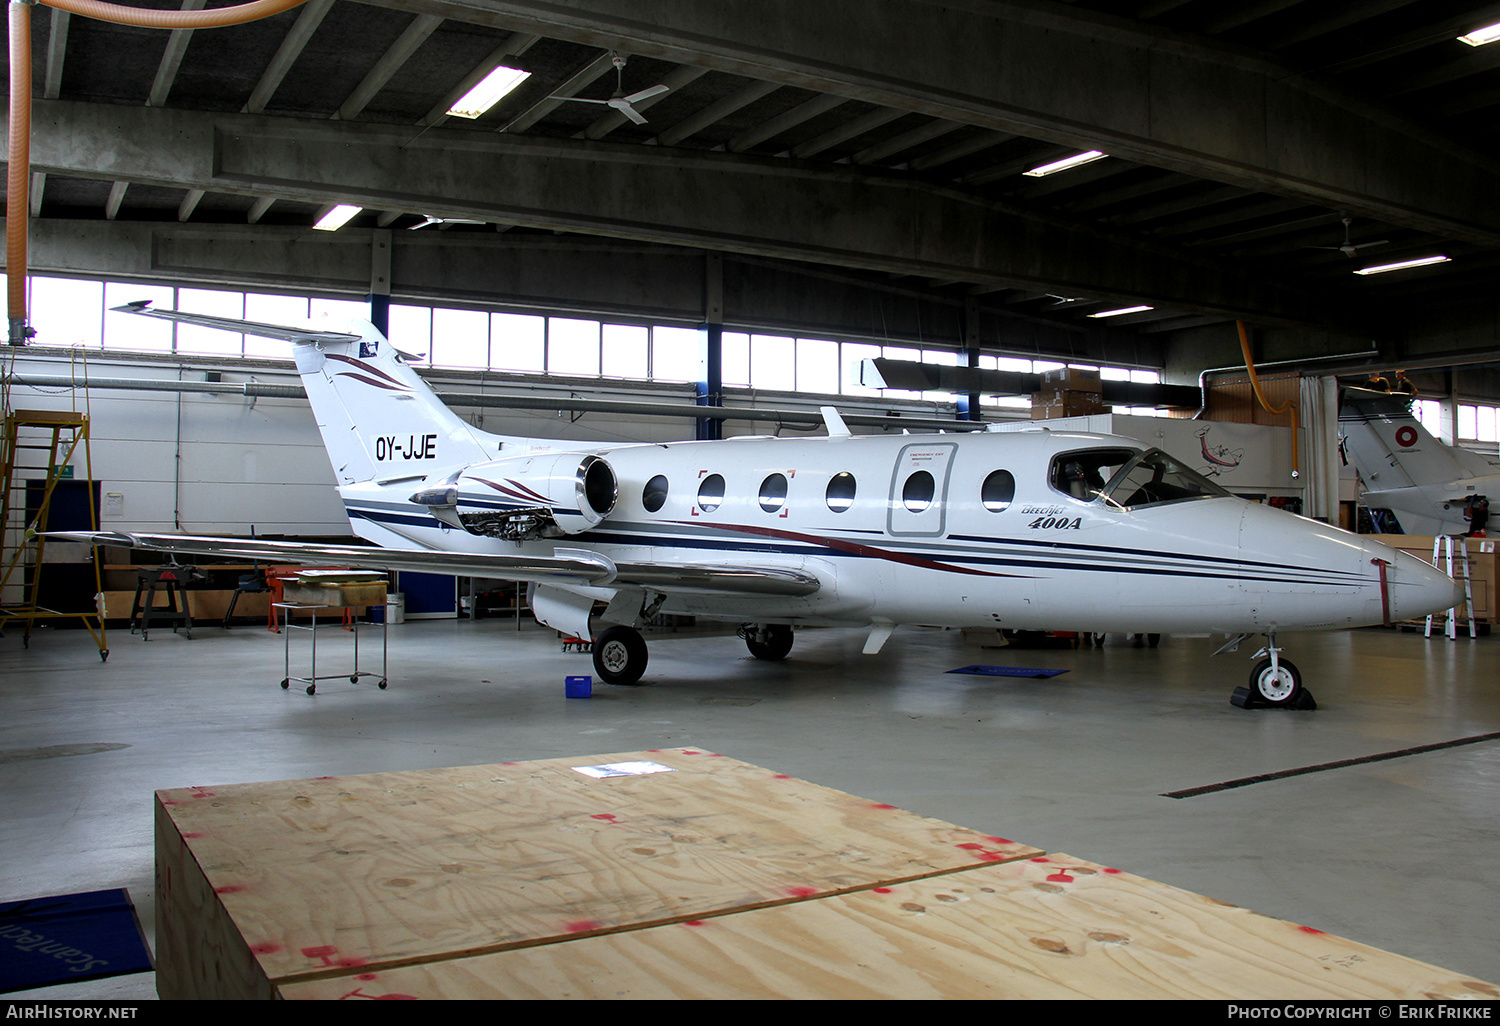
620, 655
767, 640
1274, 683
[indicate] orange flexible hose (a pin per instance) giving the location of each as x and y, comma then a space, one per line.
18, 174
1289, 405
217, 18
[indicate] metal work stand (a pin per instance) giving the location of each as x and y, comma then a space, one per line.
172, 579
311, 680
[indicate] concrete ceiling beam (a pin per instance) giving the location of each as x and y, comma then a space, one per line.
830, 215
1063, 75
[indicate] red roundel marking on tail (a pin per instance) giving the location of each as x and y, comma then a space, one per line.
1406, 436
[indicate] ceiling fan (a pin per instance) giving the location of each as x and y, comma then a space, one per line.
620, 101
1350, 249
441, 222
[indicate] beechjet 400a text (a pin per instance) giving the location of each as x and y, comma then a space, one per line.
1043, 530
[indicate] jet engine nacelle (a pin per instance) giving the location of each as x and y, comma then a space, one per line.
521, 497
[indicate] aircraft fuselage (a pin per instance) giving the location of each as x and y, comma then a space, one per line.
913, 529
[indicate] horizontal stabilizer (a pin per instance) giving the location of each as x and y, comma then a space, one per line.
289, 334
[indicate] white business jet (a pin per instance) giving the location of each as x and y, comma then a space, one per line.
1432, 488
1027, 531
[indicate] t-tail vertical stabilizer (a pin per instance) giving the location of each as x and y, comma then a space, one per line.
378, 418
1429, 486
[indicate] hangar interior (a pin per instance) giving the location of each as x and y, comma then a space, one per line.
818, 186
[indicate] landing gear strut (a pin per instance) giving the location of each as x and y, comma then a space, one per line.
767, 640
1274, 683
620, 655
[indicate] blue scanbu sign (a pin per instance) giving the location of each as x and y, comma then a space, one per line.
47, 941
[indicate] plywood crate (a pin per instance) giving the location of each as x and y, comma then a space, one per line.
1047, 927
261, 886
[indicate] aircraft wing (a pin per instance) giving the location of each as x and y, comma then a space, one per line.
566, 566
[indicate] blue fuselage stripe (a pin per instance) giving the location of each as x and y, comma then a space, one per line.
1079, 558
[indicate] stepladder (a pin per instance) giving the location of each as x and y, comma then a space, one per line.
1457, 567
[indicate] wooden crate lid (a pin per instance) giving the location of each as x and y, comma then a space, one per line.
345, 873
1051, 927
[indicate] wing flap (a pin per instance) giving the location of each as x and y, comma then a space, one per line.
568, 566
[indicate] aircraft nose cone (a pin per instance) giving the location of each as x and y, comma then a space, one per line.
1416, 587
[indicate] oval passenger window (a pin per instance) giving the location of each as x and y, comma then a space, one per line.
841, 492
918, 491
998, 491
655, 495
773, 492
711, 493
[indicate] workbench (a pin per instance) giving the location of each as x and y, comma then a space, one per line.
682, 873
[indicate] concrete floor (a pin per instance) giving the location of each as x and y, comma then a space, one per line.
1400, 854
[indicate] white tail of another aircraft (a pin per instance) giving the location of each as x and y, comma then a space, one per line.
1427, 484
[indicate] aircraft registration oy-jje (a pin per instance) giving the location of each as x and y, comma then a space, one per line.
1043, 530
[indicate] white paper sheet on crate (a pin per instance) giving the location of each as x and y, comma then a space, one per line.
623, 769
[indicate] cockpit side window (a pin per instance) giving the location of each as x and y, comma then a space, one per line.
1084, 474
1154, 478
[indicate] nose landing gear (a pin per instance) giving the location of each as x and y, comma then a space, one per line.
1275, 682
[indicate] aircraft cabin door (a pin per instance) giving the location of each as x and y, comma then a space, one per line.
918, 503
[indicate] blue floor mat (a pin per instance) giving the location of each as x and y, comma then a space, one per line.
47, 941
1007, 671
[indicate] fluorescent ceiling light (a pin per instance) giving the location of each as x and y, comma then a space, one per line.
1479, 37
337, 217
1122, 310
1077, 160
490, 91
1403, 265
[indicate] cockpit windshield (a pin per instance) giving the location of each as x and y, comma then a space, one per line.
1129, 478
1154, 478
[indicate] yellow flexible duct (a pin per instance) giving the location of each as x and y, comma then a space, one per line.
18, 176
1289, 405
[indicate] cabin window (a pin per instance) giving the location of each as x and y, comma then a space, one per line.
998, 490
711, 493
918, 491
655, 494
841, 492
773, 492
